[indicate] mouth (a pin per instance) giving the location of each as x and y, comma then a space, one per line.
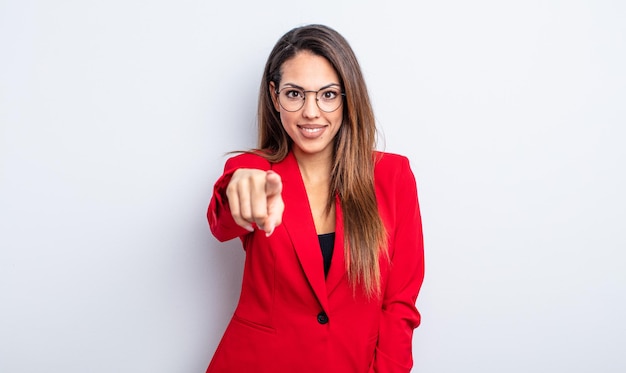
311, 131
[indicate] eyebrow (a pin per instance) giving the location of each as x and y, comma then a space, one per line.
302, 88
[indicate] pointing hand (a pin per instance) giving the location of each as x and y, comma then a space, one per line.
254, 197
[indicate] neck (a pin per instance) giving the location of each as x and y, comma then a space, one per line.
315, 168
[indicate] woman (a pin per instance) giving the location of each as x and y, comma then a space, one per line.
331, 227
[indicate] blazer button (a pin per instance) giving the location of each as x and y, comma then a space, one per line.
322, 318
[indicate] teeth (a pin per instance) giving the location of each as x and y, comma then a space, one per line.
312, 130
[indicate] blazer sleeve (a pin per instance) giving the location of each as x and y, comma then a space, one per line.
220, 219
406, 273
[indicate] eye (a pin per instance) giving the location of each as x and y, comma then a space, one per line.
293, 94
329, 94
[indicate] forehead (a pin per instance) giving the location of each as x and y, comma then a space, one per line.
308, 70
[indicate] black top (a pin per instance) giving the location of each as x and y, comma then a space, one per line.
327, 243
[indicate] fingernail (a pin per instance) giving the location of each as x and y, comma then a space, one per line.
249, 228
267, 234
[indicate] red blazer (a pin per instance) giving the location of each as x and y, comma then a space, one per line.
292, 319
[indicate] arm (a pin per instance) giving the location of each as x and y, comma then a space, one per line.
406, 273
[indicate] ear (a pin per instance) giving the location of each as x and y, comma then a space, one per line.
274, 96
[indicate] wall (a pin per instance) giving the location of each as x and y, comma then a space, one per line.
115, 117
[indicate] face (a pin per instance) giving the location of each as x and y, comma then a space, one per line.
311, 129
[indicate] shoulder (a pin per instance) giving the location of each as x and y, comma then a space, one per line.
247, 160
390, 164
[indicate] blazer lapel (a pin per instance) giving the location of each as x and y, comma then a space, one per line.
337, 271
298, 222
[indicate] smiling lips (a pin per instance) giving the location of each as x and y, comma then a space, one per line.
311, 131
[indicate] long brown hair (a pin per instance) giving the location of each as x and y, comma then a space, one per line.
352, 176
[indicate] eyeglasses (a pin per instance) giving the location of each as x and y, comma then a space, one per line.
328, 98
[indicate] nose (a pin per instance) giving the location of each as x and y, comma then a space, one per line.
310, 108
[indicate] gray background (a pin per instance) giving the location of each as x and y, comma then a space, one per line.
115, 117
